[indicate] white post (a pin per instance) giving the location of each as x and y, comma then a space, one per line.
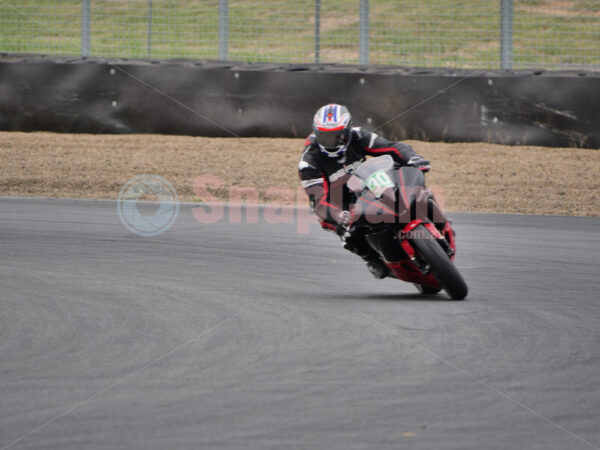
223, 29
85, 28
506, 11
364, 32
317, 31
149, 28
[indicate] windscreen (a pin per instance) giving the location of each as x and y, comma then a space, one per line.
374, 174
367, 168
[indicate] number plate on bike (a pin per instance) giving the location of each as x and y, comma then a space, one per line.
378, 182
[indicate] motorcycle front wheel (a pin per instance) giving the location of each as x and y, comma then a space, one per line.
427, 290
442, 268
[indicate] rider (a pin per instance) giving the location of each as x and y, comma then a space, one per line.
334, 149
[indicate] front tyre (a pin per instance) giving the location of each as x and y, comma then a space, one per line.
427, 290
442, 268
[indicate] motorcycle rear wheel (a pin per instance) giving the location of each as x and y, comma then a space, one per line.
442, 268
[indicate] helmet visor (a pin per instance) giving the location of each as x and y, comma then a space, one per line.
333, 140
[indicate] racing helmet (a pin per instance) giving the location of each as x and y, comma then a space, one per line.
332, 126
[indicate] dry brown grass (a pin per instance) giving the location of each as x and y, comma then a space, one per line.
466, 177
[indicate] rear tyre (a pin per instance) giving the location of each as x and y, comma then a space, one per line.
427, 290
442, 268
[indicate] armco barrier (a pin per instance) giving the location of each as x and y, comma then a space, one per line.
268, 100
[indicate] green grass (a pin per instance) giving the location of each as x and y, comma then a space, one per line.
429, 33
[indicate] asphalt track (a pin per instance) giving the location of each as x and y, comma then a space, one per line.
248, 336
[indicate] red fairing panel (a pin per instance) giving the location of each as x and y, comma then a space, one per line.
407, 271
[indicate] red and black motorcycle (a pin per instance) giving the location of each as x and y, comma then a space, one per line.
405, 226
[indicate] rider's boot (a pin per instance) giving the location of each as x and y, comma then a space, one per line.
376, 266
356, 243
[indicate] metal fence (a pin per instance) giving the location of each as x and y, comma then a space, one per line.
493, 34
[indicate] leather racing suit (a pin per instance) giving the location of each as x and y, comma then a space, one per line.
324, 178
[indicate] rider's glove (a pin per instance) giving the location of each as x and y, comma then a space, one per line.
343, 218
346, 235
420, 163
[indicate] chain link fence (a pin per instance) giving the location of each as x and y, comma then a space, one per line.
491, 34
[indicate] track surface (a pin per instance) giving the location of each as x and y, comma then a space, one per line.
244, 336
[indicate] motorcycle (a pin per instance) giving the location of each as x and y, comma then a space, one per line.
405, 226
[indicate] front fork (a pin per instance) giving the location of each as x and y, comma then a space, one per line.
446, 241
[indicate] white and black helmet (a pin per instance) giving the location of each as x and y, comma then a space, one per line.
332, 126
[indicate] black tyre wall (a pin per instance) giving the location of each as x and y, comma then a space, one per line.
268, 100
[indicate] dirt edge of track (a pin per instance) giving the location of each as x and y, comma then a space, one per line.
475, 177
